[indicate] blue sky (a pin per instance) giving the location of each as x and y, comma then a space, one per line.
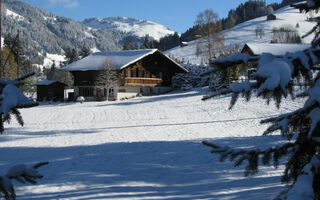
179, 15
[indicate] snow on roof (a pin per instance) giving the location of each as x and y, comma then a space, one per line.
46, 82
276, 48
119, 59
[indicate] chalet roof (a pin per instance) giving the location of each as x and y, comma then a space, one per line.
119, 59
274, 48
48, 82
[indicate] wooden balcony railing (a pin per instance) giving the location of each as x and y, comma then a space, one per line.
141, 81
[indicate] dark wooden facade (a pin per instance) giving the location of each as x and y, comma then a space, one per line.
271, 17
54, 92
152, 70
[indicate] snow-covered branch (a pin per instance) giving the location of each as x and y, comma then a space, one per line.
275, 78
12, 98
22, 174
251, 156
234, 59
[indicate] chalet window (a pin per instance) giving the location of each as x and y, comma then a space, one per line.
137, 72
142, 74
111, 92
124, 73
86, 91
131, 73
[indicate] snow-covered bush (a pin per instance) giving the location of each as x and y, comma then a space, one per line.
193, 78
274, 79
80, 99
215, 82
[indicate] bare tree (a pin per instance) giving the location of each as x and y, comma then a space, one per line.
259, 32
107, 79
285, 34
210, 29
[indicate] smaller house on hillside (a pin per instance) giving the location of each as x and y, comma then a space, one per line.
255, 49
146, 72
271, 17
48, 90
184, 44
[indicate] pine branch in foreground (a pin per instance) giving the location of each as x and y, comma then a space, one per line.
22, 174
275, 79
11, 99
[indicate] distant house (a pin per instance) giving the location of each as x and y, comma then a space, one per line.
255, 49
146, 72
184, 44
271, 17
50, 90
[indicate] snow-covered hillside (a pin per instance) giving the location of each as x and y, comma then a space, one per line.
134, 27
143, 148
245, 32
13, 15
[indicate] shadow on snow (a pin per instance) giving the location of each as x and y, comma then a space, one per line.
142, 170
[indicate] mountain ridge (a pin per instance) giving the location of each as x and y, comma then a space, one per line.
44, 34
132, 26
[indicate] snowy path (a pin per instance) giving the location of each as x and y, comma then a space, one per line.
144, 148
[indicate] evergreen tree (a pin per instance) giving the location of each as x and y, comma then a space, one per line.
9, 66
127, 44
192, 33
52, 72
71, 56
136, 46
148, 43
13, 44
84, 52
168, 42
301, 128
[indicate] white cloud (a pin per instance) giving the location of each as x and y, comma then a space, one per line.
65, 3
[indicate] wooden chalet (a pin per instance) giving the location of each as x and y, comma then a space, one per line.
277, 49
271, 17
50, 90
145, 72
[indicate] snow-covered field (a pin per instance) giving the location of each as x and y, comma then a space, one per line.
143, 148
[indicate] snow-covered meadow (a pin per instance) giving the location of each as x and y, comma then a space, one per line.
244, 33
143, 148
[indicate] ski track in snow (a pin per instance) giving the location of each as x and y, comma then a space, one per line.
143, 148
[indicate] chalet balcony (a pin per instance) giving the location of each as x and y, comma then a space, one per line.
135, 81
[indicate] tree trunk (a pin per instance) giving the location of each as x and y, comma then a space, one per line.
107, 93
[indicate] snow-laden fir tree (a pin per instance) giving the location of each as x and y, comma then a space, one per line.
274, 79
11, 99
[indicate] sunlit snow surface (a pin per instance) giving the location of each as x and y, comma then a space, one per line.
143, 148
245, 32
